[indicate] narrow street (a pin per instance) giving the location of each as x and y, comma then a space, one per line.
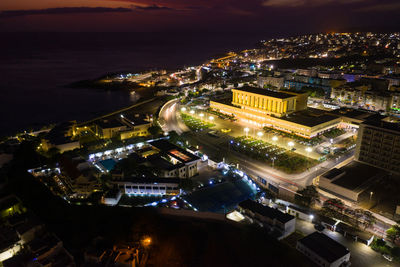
361, 254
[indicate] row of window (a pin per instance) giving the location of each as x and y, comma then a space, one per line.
134, 187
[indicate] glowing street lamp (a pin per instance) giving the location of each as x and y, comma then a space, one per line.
246, 130
260, 134
146, 242
275, 138
291, 144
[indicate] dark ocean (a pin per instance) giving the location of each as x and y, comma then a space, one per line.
35, 67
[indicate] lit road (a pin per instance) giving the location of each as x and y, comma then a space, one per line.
170, 121
360, 254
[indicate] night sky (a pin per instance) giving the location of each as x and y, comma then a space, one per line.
274, 16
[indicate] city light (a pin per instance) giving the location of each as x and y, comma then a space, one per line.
211, 118
290, 143
146, 241
275, 138
260, 134
308, 149
246, 130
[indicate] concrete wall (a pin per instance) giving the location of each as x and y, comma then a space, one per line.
326, 184
319, 260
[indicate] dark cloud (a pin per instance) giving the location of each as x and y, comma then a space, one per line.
61, 10
151, 7
380, 7
275, 16
308, 3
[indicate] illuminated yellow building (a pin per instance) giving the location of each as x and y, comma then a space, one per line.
284, 111
268, 102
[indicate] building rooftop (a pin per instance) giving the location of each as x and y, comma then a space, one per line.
41, 245
393, 126
8, 237
353, 113
59, 134
133, 121
324, 246
265, 92
174, 151
357, 175
109, 123
152, 180
335, 172
266, 211
159, 163
308, 118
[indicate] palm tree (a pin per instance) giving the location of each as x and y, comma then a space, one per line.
394, 232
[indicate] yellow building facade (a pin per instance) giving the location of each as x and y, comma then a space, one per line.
275, 103
263, 108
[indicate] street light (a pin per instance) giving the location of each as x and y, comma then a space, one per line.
290, 144
370, 196
308, 149
275, 138
260, 134
246, 130
273, 161
146, 242
211, 118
